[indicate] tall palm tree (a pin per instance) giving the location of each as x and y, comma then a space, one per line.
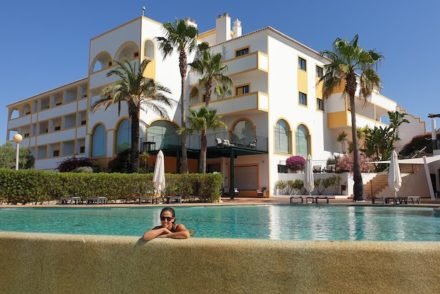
212, 71
353, 66
201, 121
181, 37
139, 93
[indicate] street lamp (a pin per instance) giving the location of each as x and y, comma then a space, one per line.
17, 139
432, 116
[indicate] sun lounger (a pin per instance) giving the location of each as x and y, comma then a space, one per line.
323, 197
311, 199
97, 200
296, 197
413, 199
176, 199
65, 200
375, 200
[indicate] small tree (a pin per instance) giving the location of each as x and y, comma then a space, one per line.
7, 157
202, 121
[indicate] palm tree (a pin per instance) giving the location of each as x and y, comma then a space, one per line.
353, 66
138, 92
212, 71
181, 37
202, 121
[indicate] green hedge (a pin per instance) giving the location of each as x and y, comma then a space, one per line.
26, 186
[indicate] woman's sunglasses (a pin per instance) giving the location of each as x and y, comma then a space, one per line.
166, 218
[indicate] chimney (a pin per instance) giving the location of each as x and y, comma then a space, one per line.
236, 28
190, 22
223, 28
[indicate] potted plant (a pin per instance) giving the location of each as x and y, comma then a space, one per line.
295, 163
280, 186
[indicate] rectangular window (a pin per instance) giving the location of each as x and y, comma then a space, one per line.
242, 90
57, 128
242, 51
319, 104
319, 72
302, 64
56, 153
302, 98
82, 149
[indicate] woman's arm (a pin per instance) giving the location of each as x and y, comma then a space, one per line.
180, 233
154, 233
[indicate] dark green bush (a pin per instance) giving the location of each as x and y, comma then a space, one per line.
26, 186
73, 163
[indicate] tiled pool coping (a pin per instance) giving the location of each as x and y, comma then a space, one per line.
45, 263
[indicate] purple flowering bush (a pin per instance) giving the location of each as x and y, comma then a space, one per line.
295, 162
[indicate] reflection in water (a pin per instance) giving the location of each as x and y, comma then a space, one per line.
275, 222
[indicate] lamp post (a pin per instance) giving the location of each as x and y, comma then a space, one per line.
17, 139
432, 116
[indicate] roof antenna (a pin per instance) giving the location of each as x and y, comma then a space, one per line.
143, 10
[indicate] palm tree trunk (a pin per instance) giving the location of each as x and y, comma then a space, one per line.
134, 155
208, 92
358, 187
183, 67
203, 150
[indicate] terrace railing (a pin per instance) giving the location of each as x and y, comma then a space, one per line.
154, 142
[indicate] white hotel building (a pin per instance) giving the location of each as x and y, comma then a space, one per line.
275, 100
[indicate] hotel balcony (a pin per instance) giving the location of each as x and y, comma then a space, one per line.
256, 101
19, 121
382, 102
98, 79
342, 119
256, 61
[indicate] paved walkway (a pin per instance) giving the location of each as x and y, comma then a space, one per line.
226, 201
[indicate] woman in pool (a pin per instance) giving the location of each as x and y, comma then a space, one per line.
168, 227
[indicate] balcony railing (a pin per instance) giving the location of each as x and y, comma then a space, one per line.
255, 101
155, 142
255, 61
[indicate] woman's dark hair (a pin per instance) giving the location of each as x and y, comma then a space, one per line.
168, 209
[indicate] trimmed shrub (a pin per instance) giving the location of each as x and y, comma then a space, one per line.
26, 186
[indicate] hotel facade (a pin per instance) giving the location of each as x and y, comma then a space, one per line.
276, 108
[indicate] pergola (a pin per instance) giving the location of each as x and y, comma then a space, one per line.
228, 151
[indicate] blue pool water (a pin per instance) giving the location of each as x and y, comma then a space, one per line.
274, 222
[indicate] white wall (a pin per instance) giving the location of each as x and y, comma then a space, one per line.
283, 101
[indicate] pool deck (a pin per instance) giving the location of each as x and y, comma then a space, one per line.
236, 201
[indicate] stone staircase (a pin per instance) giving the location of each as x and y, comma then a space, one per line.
412, 175
375, 185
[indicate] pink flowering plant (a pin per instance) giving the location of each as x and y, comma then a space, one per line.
295, 163
345, 163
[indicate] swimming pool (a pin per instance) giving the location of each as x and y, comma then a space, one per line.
273, 222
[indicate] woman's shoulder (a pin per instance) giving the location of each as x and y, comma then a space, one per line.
179, 227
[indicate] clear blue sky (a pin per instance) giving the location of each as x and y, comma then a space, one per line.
44, 44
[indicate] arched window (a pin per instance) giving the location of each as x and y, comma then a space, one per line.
163, 134
128, 51
123, 136
149, 50
102, 61
99, 141
302, 141
282, 137
243, 133
14, 113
